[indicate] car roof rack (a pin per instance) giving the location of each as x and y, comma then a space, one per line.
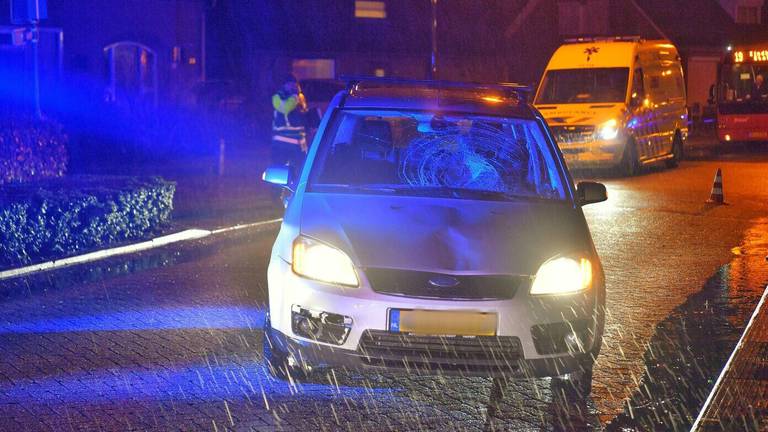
520, 92
581, 39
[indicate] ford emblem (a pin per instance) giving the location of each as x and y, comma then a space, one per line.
443, 281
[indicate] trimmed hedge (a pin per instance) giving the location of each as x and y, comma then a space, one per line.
31, 149
54, 218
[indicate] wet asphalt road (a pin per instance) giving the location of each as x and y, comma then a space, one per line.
171, 339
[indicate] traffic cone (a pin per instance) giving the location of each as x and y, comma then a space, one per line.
716, 196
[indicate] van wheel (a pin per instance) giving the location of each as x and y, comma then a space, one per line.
630, 166
279, 362
677, 152
576, 386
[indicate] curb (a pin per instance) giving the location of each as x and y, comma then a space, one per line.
190, 234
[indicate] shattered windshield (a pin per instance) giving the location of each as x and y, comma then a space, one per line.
429, 154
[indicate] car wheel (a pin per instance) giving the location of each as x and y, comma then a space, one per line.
279, 362
630, 166
575, 386
677, 151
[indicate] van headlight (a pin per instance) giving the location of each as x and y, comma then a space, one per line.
608, 130
319, 261
563, 275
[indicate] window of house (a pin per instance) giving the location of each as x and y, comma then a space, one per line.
370, 9
748, 15
314, 68
132, 69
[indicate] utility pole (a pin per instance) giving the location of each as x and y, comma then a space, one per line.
433, 61
35, 40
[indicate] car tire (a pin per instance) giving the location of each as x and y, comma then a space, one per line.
630, 166
277, 360
576, 386
677, 151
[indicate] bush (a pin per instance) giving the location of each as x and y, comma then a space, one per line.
31, 149
54, 218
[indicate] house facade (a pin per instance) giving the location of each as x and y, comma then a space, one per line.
485, 40
160, 51
144, 50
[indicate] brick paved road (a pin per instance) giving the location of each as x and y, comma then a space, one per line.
171, 339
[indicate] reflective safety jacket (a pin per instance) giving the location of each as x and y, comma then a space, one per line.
288, 121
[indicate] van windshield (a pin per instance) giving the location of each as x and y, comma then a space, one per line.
599, 85
423, 153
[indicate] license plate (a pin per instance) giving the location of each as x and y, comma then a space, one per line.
443, 323
758, 134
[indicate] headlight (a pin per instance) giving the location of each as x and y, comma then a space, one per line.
563, 276
609, 130
315, 260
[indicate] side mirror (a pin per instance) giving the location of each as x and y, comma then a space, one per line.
588, 192
277, 175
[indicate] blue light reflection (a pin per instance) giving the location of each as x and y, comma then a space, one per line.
159, 318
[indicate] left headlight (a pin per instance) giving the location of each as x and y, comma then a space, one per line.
315, 260
609, 130
563, 275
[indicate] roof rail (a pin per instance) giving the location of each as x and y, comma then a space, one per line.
518, 91
580, 39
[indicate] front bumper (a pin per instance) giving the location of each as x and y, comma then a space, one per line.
741, 135
520, 346
596, 154
315, 355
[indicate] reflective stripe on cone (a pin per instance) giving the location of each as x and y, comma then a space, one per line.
717, 196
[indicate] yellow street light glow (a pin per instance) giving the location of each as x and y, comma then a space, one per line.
563, 276
315, 260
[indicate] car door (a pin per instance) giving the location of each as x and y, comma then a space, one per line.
658, 113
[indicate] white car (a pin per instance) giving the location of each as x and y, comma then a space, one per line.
435, 229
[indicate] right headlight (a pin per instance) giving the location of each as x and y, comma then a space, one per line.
563, 275
315, 260
609, 130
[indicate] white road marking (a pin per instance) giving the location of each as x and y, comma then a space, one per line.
190, 234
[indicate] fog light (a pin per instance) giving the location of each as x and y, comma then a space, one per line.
320, 326
727, 137
562, 337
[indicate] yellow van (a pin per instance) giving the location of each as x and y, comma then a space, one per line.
615, 102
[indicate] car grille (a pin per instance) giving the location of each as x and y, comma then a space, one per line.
573, 134
444, 352
470, 287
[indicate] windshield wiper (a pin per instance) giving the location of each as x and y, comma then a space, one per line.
358, 188
458, 192
441, 191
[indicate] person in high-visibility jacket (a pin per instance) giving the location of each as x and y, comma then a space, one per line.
289, 131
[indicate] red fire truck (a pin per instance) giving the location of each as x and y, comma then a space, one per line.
741, 94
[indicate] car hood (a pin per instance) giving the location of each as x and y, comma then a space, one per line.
445, 235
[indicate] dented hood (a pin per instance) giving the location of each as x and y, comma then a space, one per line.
444, 235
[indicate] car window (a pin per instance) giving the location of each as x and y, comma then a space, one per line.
424, 153
599, 85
